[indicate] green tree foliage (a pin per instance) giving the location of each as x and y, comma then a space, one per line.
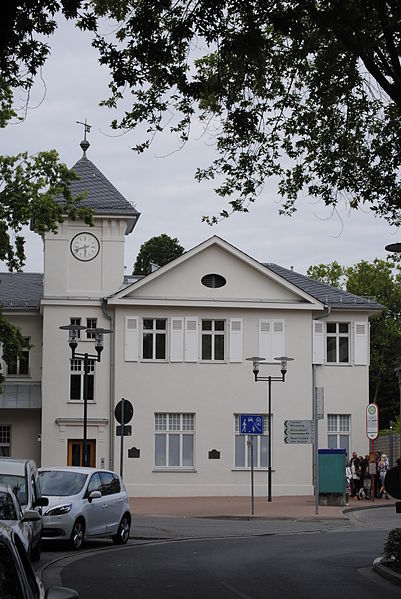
331, 274
381, 279
159, 250
309, 92
28, 184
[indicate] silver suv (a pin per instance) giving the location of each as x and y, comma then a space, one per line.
22, 477
84, 502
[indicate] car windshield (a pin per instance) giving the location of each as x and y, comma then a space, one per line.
7, 507
17, 483
61, 483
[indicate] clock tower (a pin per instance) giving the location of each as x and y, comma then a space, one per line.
86, 261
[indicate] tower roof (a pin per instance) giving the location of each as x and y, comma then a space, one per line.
102, 196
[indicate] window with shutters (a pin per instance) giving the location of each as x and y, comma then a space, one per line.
213, 336
77, 379
154, 336
337, 342
242, 448
174, 440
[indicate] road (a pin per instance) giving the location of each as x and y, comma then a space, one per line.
231, 559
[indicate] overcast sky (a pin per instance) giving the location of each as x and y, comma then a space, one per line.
160, 183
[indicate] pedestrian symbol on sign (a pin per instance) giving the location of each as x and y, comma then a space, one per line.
251, 424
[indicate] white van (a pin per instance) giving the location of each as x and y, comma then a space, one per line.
22, 477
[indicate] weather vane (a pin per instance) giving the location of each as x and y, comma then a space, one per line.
84, 143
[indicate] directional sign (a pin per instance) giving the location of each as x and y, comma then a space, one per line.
251, 424
298, 431
320, 403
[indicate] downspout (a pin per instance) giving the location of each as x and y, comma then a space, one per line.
111, 384
316, 424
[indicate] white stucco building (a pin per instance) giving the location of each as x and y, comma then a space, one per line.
181, 336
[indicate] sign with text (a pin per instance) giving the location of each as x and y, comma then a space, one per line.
298, 431
372, 421
320, 403
251, 424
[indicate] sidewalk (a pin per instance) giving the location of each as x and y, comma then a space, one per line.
299, 507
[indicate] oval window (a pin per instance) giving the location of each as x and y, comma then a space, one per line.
213, 281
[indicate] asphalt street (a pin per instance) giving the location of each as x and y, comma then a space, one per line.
196, 557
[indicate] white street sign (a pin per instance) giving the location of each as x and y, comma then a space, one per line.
320, 402
372, 421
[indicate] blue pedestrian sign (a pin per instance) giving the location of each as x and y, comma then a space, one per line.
251, 424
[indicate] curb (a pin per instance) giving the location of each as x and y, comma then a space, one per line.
388, 573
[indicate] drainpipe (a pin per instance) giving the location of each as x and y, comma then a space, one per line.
316, 425
111, 384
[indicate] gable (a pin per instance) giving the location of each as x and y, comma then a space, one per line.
246, 281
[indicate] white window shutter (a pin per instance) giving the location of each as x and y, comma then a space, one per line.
191, 339
177, 340
131, 338
235, 339
361, 343
265, 339
318, 342
278, 338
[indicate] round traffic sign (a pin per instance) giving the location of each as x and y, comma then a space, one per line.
128, 411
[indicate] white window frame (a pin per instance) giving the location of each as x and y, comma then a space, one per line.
77, 321
260, 446
77, 368
5, 440
154, 332
339, 425
213, 333
91, 323
26, 352
168, 426
337, 335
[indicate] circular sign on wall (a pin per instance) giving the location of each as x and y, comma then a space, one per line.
372, 421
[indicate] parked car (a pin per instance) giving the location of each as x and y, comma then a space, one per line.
12, 515
22, 477
83, 503
17, 579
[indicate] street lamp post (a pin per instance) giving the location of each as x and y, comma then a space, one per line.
73, 330
269, 379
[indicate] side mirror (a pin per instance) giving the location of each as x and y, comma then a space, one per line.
61, 593
30, 516
94, 495
41, 502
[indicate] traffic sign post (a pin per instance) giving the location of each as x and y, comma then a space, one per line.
251, 424
298, 431
123, 413
372, 432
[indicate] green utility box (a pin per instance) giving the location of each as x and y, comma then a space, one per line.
332, 476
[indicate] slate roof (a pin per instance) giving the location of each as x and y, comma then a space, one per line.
21, 290
328, 295
101, 196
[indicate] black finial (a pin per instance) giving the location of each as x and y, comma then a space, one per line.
84, 143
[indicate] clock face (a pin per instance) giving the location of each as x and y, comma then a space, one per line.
85, 246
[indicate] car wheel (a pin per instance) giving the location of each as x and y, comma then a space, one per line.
122, 535
77, 535
35, 552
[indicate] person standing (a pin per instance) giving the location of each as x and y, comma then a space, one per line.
355, 475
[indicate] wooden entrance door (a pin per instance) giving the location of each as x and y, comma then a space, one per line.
75, 452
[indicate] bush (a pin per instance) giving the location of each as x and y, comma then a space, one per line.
392, 548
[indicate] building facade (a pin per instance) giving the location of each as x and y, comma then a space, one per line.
178, 348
